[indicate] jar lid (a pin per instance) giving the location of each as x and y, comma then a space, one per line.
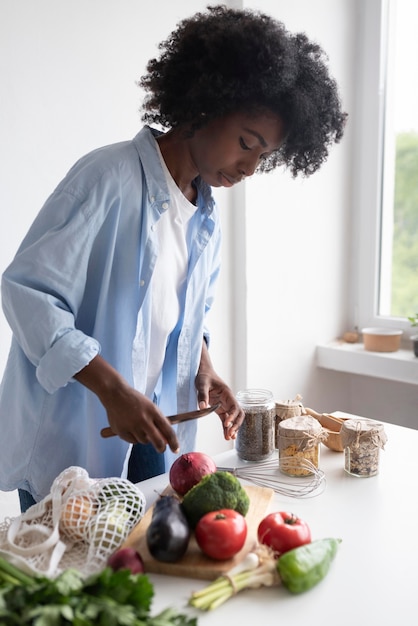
291, 405
295, 426
356, 430
289, 409
254, 396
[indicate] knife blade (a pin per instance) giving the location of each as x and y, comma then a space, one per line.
174, 419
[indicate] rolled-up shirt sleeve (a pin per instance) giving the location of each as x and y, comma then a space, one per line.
73, 351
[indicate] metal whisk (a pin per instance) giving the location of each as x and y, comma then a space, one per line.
268, 474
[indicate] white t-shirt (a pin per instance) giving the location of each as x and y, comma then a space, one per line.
169, 275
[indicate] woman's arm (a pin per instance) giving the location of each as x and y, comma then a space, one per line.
212, 389
131, 415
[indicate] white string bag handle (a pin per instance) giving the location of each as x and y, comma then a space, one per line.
79, 524
36, 533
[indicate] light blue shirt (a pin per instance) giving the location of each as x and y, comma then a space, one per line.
74, 290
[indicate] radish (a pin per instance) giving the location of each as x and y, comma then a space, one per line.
126, 558
188, 469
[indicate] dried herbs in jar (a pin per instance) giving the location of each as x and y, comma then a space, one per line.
255, 438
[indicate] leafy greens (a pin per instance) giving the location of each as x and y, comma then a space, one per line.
108, 598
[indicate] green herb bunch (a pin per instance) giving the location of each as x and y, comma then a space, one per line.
108, 598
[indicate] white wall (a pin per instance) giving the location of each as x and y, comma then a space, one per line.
297, 294
68, 72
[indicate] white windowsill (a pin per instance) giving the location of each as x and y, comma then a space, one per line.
400, 366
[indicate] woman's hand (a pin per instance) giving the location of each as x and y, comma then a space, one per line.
211, 389
131, 415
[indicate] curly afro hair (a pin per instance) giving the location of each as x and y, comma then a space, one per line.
229, 60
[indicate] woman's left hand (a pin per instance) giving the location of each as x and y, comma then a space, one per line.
211, 389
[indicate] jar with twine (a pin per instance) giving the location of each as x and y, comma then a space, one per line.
362, 441
284, 410
298, 442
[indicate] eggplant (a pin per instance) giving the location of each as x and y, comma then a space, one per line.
169, 532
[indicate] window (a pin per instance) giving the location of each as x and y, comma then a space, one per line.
386, 231
398, 292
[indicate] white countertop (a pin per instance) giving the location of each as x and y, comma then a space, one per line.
373, 579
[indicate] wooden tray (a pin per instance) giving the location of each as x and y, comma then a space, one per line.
195, 564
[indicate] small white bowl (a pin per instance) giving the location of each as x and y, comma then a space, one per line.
381, 339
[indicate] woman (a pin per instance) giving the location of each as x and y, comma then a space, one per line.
108, 292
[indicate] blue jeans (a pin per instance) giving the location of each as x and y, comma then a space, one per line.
26, 500
145, 462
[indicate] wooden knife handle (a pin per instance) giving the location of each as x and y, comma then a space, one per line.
107, 432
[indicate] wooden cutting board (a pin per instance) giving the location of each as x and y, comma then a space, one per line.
195, 564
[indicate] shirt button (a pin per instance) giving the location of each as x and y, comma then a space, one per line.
153, 227
164, 205
152, 198
141, 283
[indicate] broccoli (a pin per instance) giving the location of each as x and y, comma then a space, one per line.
219, 490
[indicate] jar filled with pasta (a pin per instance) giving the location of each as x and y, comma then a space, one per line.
299, 441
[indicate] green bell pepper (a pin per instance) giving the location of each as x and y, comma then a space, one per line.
303, 567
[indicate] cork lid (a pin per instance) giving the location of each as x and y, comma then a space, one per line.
298, 425
363, 430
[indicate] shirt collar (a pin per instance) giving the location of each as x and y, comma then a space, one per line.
146, 146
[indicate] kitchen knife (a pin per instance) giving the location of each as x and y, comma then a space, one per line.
174, 419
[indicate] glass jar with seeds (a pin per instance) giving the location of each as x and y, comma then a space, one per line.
362, 441
255, 438
299, 441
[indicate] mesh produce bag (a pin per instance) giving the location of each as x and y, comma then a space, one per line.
78, 525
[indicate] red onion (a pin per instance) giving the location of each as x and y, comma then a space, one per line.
188, 469
126, 558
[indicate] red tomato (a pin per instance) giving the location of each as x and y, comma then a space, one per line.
221, 534
283, 531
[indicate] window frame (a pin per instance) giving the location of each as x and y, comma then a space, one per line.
369, 168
